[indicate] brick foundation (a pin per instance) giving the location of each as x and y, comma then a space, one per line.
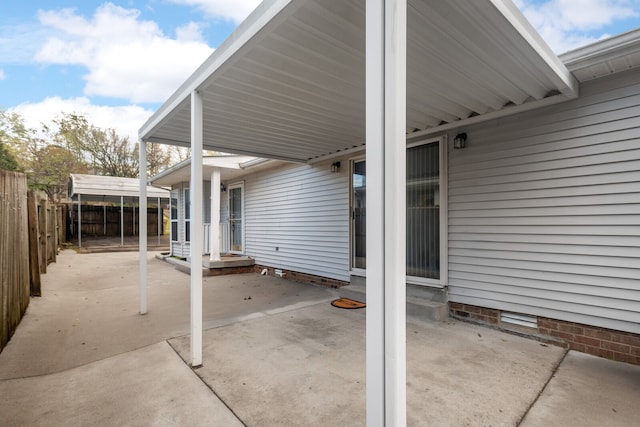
303, 277
608, 343
228, 270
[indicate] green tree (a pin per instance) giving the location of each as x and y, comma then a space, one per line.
15, 137
50, 168
7, 161
158, 158
106, 152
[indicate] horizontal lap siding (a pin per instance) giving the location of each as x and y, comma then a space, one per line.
544, 210
303, 210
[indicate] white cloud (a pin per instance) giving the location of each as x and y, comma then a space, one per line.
568, 24
126, 120
126, 57
2, 74
20, 42
235, 10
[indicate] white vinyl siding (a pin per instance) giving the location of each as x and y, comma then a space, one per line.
544, 210
303, 210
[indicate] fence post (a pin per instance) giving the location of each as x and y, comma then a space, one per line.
42, 233
34, 259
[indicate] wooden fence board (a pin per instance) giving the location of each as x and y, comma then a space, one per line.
14, 252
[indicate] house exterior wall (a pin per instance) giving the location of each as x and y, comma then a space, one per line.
544, 210
297, 218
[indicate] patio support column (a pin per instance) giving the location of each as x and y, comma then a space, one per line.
79, 220
142, 226
197, 225
160, 218
133, 216
104, 219
121, 220
386, 27
214, 252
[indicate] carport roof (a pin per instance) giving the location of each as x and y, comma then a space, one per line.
289, 83
109, 188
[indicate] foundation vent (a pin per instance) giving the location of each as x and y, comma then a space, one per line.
519, 319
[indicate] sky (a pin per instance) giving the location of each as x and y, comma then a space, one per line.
117, 61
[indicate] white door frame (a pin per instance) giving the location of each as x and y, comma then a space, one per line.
230, 187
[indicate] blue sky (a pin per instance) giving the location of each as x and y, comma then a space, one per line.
118, 61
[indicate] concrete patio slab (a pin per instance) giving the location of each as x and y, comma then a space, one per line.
89, 309
589, 391
275, 353
149, 386
307, 367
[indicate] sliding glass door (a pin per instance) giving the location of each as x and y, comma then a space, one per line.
423, 212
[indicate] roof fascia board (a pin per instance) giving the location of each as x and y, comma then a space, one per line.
348, 152
566, 82
264, 14
533, 105
167, 141
602, 51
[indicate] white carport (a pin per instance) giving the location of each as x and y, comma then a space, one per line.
112, 189
302, 79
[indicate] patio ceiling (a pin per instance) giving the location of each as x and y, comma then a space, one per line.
290, 82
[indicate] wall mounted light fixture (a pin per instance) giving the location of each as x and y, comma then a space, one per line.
223, 188
335, 167
460, 141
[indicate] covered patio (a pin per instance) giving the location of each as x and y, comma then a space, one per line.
303, 80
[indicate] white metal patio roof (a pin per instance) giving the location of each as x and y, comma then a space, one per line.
289, 83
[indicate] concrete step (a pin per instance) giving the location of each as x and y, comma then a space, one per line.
422, 309
417, 308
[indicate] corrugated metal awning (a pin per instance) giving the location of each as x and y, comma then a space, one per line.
290, 82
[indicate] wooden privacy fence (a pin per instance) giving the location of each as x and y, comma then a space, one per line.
103, 220
30, 230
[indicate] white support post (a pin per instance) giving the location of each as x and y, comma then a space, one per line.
386, 211
214, 252
159, 220
79, 220
142, 226
121, 220
197, 225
